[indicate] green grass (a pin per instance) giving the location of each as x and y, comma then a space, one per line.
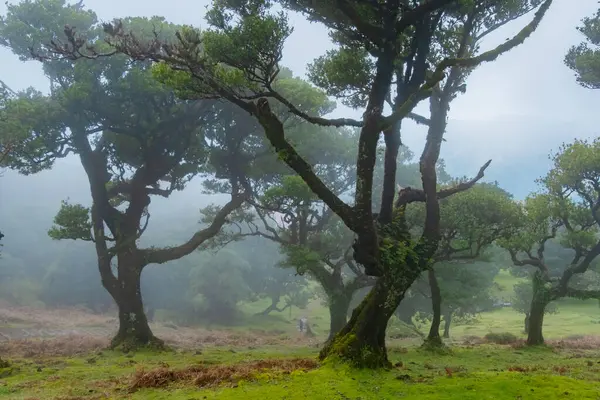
504, 285
575, 317
482, 372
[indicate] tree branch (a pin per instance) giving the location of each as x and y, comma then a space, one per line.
373, 33
411, 195
160, 256
439, 74
414, 15
276, 135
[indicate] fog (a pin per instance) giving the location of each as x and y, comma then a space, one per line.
188, 214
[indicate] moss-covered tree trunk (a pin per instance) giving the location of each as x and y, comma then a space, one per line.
447, 322
536, 321
526, 323
338, 311
436, 304
134, 330
362, 340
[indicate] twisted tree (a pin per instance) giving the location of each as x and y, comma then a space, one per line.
237, 59
470, 222
567, 210
135, 139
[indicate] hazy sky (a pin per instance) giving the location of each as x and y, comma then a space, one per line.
522, 105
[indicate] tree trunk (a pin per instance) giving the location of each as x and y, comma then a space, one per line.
526, 322
272, 307
536, 322
433, 338
134, 330
362, 340
338, 311
447, 322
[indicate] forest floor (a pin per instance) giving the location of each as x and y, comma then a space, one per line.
59, 355
568, 370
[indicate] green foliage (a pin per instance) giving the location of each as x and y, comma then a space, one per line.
584, 59
218, 285
521, 301
576, 169
345, 73
466, 288
470, 221
566, 209
72, 222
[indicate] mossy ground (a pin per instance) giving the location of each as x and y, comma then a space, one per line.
242, 361
480, 372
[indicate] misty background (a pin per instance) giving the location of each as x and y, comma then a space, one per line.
516, 110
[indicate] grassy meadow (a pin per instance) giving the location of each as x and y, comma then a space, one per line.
266, 358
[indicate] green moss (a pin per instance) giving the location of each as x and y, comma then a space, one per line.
347, 349
435, 346
484, 372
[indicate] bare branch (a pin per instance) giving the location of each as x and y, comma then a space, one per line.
411, 195
439, 74
160, 256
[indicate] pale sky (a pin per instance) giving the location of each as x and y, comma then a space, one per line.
515, 111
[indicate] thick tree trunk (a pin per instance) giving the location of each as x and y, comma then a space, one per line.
536, 322
526, 323
362, 340
134, 330
338, 311
447, 322
433, 338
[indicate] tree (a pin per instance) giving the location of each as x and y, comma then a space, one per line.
521, 301
470, 222
237, 59
584, 59
265, 277
218, 285
134, 138
566, 209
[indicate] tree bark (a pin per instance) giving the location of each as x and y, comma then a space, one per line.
536, 322
447, 322
134, 330
526, 325
362, 340
436, 304
338, 312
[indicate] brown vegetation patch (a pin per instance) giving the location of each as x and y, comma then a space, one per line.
576, 342
194, 338
206, 376
472, 340
64, 318
61, 346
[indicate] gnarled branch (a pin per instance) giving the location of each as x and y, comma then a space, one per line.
411, 195
160, 256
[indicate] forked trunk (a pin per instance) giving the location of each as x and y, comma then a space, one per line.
362, 340
134, 330
436, 304
338, 311
447, 322
536, 322
272, 307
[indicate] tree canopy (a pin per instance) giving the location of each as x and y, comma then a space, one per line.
566, 209
584, 59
